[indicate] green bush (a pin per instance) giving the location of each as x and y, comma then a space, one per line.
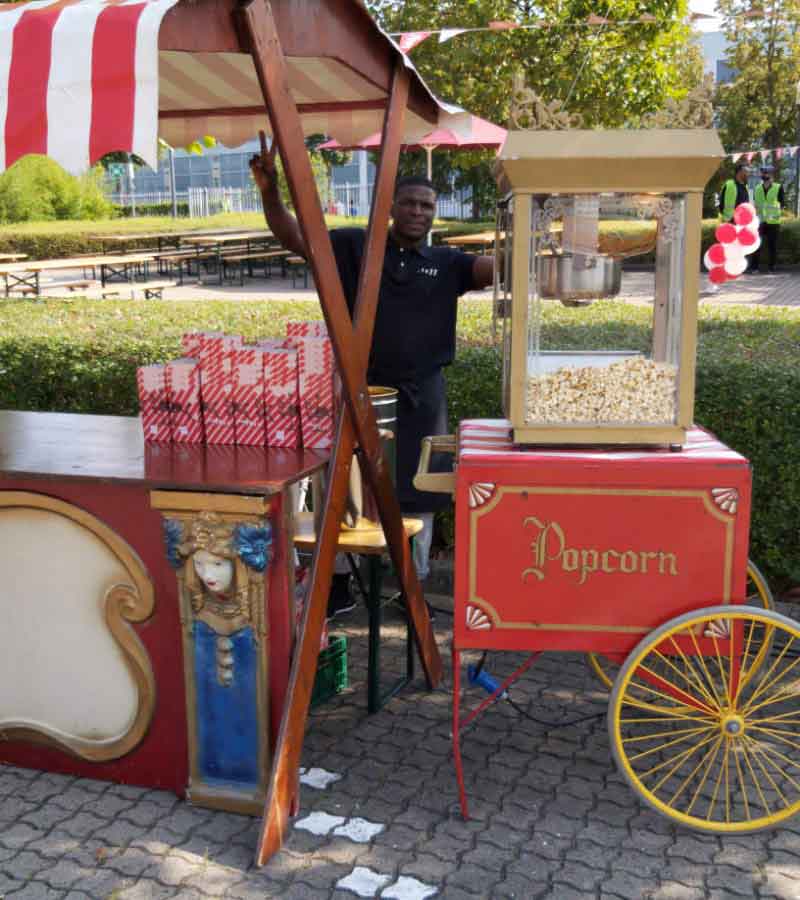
35, 188
81, 356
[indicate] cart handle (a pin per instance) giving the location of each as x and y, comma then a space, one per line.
435, 482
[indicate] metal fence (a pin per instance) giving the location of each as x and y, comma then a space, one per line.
343, 199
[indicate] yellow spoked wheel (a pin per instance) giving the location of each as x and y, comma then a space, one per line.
705, 729
758, 594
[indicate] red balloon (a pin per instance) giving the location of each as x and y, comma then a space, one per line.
744, 214
716, 254
726, 234
718, 275
747, 237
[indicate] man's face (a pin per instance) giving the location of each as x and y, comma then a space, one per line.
742, 175
413, 210
766, 177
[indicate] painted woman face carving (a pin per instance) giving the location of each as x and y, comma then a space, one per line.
214, 571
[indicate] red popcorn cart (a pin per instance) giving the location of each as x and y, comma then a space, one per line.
597, 517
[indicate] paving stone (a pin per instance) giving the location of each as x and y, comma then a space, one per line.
36, 890
474, 879
695, 848
8, 883
19, 835
146, 890
64, 874
734, 881
16, 807
147, 813
778, 885
399, 837
488, 856
25, 865
517, 886
73, 798
429, 868
674, 891
578, 876
786, 863
108, 805
212, 879
131, 862
173, 869
82, 824
626, 885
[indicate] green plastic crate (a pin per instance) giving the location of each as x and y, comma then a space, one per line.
331, 671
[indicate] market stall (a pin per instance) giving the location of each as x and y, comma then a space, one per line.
80, 80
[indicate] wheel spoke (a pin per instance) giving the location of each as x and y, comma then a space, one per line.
769, 752
710, 680
679, 760
658, 734
661, 747
701, 687
695, 770
713, 754
765, 683
691, 682
757, 754
754, 779
779, 735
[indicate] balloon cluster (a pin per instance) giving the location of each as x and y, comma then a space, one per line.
726, 259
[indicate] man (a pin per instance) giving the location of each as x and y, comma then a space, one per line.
734, 192
768, 200
415, 326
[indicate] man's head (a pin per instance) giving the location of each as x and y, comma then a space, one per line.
413, 209
766, 173
741, 173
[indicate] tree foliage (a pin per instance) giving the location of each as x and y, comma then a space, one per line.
757, 108
610, 74
36, 188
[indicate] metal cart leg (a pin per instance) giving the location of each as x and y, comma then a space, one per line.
462, 794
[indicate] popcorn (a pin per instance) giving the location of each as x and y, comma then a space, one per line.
633, 390
248, 396
183, 389
151, 382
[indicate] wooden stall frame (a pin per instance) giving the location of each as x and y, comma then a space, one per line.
351, 344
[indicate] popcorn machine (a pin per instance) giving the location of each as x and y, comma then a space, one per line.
577, 526
574, 209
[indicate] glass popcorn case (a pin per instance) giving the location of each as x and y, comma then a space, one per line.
576, 206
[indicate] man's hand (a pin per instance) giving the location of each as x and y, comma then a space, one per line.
265, 172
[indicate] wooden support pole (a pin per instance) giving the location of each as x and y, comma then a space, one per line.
351, 348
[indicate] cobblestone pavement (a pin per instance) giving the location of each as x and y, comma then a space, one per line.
550, 815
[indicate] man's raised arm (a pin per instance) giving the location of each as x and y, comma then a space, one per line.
280, 221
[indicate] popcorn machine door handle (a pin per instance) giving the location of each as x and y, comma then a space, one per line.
436, 482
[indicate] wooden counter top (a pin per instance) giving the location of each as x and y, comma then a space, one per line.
112, 448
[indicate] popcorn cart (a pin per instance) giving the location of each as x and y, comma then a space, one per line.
597, 517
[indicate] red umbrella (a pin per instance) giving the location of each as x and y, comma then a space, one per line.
468, 132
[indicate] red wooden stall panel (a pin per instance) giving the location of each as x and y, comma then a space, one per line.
589, 550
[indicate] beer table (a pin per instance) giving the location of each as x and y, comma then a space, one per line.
121, 663
370, 543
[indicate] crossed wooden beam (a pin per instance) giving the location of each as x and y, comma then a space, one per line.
356, 425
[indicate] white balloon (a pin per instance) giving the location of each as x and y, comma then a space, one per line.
753, 247
735, 266
734, 251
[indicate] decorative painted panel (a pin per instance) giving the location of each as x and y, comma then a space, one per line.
220, 548
82, 680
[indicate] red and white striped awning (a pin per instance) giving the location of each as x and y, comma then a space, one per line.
81, 78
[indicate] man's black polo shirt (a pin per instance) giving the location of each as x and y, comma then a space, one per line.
415, 325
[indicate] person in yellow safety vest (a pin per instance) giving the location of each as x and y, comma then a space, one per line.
768, 200
734, 192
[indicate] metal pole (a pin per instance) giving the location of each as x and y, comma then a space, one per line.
429, 155
172, 191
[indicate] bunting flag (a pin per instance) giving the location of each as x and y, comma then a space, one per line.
735, 157
502, 26
777, 154
410, 39
448, 33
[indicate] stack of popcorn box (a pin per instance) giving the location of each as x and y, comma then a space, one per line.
248, 396
281, 400
276, 393
151, 382
217, 380
183, 391
315, 382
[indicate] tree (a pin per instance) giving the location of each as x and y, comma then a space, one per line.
757, 108
612, 75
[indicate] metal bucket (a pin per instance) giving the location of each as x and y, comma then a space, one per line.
576, 279
362, 508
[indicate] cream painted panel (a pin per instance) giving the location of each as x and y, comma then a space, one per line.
59, 664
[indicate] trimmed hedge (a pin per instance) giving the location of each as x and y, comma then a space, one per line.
81, 356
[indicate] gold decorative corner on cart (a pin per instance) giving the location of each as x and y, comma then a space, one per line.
695, 110
81, 607
529, 112
727, 499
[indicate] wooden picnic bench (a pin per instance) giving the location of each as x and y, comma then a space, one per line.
20, 276
299, 268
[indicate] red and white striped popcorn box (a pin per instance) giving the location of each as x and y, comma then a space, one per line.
151, 383
216, 388
281, 399
315, 379
183, 388
315, 328
248, 397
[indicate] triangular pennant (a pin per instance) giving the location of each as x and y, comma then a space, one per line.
749, 157
753, 14
647, 17
695, 17
410, 39
502, 26
792, 150
779, 153
596, 20
765, 155
735, 157
446, 33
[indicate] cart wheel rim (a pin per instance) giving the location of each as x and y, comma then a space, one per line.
704, 728
757, 594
